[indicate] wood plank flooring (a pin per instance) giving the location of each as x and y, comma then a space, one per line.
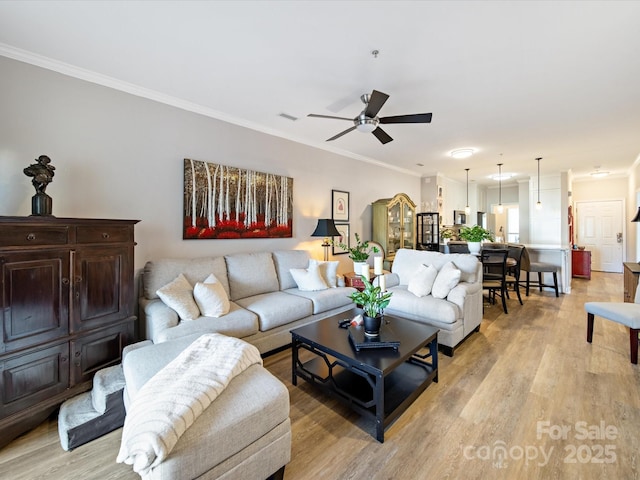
514, 402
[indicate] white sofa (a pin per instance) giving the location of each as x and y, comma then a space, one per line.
265, 302
457, 315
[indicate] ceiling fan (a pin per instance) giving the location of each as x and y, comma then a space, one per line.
368, 120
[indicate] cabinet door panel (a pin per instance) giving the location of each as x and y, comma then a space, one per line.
102, 286
98, 350
26, 379
35, 298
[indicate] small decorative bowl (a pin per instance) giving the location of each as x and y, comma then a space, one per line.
580, 248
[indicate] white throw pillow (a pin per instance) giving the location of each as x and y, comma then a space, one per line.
308, 280
422, 281
328, 271
211, 298
178, 295
448, 277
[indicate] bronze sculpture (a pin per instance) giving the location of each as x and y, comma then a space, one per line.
42, 173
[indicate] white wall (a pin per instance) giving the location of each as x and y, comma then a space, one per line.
121, 156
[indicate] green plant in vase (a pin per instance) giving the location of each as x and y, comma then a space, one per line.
360, 252
475, 234
373, 301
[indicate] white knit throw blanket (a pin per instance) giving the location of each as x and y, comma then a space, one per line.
173, 398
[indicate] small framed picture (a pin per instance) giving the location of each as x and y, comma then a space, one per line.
340, 206
343, 228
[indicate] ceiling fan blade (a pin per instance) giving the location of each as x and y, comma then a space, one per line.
329, 116
341, 133
415, 118
382, 135
376, 101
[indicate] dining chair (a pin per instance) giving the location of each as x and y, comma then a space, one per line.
458, 247
494, 274
379, 253
513, 270
540, 268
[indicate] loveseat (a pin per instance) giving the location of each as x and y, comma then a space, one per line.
458, 311
264, 300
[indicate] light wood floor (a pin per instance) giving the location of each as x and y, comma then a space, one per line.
498, 411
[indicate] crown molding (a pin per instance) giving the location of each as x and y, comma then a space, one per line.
132, 89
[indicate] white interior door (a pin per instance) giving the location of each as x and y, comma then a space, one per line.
600, 231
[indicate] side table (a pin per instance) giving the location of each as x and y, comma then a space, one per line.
351, 279
581, 264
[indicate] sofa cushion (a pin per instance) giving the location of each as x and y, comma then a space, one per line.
428, 307
448, 277
211, 298
161, 272
284, 261
178, 295
239, 323
406, 263
325, 300
328, 271
422, 281
251, 274
308, 279
277, 308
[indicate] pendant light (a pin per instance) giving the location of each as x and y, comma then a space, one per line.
467, 210
538, 205
500, 207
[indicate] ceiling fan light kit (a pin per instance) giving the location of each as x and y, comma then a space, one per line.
367, 121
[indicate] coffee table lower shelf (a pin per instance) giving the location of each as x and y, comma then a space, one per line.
372, 395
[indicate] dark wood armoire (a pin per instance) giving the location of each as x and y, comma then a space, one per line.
67, 311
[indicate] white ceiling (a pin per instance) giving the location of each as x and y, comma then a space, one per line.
513, 80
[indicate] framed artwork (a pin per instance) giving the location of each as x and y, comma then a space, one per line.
222, 202
340, 206
343, 228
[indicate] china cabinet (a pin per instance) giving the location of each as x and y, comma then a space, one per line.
428, 232
394, 224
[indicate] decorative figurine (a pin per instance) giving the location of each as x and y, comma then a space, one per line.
42, 173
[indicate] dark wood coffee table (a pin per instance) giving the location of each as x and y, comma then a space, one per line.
377, 383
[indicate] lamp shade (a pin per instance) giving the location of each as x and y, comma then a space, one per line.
637, 217
325, 228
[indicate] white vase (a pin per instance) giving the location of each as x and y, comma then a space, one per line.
474, 248
357, 267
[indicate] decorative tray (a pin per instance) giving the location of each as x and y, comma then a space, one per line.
359, 340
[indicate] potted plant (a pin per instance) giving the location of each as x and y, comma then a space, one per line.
446, 234
359, 253
373, 301
474, 235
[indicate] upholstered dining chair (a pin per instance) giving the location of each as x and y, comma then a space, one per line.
458, 247
625, 313
540, 268
379, 253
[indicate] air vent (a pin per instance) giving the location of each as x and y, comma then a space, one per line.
288, 117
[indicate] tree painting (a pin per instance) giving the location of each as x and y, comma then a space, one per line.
229, 202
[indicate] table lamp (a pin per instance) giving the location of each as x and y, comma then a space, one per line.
326, 228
